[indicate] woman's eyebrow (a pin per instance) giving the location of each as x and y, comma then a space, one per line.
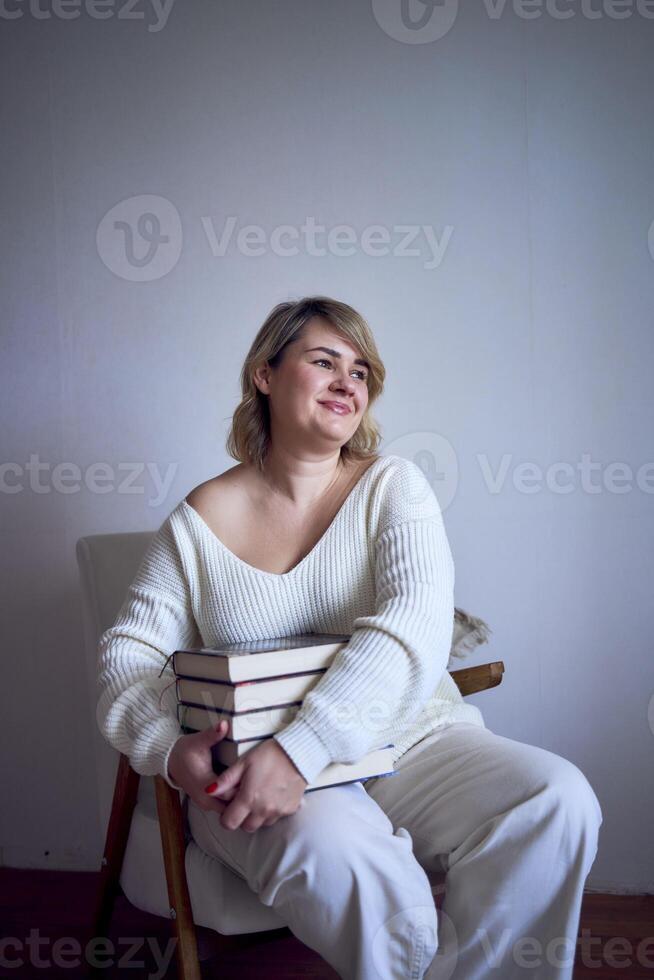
335, 353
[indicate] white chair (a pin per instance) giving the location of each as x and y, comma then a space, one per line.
149, 853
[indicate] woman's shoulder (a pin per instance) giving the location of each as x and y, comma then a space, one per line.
221, 491
405, 492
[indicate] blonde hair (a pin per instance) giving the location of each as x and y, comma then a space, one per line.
248, 440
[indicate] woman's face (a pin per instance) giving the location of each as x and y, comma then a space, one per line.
308, 378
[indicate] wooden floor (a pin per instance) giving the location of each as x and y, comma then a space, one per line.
55, 905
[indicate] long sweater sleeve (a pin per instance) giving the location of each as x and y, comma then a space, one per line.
136, 710
397, 655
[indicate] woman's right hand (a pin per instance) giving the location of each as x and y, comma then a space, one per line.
189, 765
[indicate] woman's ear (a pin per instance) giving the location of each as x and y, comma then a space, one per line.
261, 378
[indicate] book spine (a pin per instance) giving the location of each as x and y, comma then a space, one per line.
258, 680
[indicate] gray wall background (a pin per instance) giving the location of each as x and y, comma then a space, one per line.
525, 146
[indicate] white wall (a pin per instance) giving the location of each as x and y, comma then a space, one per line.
526, 147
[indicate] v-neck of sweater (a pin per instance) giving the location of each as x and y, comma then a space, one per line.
213, 538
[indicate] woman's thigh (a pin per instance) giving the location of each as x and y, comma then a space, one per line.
339, 818
463, 775
339, 877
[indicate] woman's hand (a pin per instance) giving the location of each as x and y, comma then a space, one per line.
190, 765
267, 784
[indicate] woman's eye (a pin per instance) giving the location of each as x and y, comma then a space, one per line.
323, 360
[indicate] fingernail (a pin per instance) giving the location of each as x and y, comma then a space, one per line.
211, 788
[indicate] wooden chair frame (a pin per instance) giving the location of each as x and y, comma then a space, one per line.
469, 680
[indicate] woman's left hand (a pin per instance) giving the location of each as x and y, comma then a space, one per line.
268, 786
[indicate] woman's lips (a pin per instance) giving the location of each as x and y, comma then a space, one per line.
337, 407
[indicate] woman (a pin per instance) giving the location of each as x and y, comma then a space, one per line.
313, 531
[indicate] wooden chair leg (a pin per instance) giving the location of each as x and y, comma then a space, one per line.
171, 824
122, 809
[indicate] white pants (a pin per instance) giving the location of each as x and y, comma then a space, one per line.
514, 827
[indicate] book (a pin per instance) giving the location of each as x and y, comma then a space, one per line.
377, 762
258, 687
243, 696
260, 658
240, 727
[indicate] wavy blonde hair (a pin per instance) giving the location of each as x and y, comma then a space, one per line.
248, 440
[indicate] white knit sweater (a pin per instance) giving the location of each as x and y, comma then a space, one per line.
382, 571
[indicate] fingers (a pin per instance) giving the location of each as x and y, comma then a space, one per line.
228, 780
215, 806
251, 825
235, 813
214, 733
226, 794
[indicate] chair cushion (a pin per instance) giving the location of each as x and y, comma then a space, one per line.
220, 899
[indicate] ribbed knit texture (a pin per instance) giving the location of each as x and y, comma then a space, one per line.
383, 571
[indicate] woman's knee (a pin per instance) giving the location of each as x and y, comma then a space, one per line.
573, 791
573, 812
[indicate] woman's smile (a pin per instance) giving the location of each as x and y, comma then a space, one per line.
338, 407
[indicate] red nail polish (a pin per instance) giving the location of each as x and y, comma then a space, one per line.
211, 788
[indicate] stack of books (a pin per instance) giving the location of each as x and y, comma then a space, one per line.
257, 688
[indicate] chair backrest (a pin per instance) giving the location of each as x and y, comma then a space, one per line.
107, 564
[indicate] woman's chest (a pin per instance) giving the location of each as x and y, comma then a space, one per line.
234, 602
268, 540
265, 535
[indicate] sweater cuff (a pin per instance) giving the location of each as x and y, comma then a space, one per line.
165, 734
165, 773
305, 748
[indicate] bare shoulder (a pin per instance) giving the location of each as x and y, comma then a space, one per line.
218, 491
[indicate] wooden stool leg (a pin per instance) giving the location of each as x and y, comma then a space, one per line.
173, 844
122, 809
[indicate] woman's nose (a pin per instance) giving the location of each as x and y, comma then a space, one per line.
344, 382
